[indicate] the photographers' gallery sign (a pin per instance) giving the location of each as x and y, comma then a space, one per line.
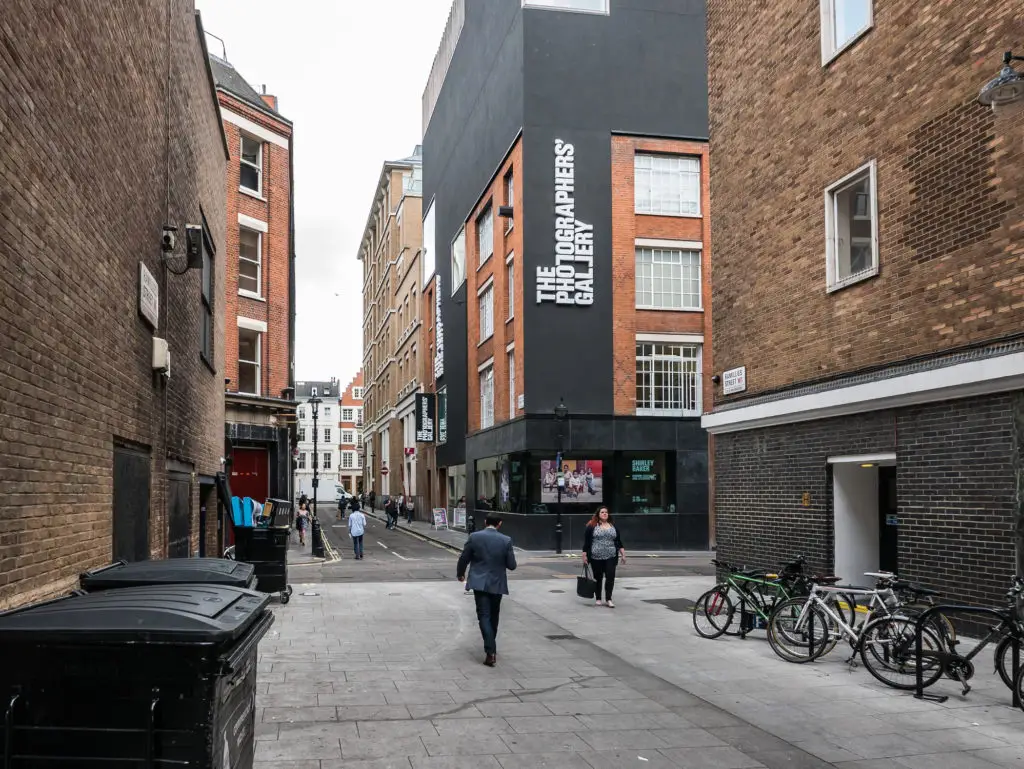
570, 281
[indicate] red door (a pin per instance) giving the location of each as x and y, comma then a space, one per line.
250, 474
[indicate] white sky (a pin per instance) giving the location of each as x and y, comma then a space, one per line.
350, 75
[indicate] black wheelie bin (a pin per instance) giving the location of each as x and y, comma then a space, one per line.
266, 547
155, 676
173, 571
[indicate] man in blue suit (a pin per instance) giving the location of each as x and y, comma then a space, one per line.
490, 555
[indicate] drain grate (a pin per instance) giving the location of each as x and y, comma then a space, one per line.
565, 637
675, 604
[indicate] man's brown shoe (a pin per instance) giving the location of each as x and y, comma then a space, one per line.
489, 660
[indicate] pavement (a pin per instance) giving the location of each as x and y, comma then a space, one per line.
383, 671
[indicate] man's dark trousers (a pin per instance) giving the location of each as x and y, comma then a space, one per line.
488, 609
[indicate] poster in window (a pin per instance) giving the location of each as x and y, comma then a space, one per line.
583, 481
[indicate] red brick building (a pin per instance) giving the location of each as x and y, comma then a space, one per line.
868, 296
102, 455
259, 331
350, 436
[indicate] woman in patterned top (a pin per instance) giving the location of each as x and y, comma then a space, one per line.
602, 549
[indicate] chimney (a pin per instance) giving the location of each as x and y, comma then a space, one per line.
270, 101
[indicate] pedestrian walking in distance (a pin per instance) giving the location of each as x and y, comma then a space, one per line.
489, 556
356, 530
301, 522
602, 549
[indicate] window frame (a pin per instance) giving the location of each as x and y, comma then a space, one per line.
487, 215
207, 277
357, 393
670, 341
553, 5
300, 461
655, 156
327, 412
351, 435
302, 434
351, 417
695, 248
327, 435
325, 461
510, 284
460, 237
509, 186
348, 461
485, 292
258, 165
258, 363
485, 373
830, 50
258, 294
510, 359
832, 280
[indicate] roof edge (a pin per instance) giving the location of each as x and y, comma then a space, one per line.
212, 83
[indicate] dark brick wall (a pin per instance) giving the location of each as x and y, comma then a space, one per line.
956, 491
86, 182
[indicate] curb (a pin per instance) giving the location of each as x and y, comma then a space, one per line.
422, 537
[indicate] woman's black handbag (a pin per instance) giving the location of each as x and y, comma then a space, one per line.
586, 586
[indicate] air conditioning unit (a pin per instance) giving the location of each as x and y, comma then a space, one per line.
161, 356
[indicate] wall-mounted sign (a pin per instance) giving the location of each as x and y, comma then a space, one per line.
438, 331
892, 520
424, 417
149, 296
805, 500
571, 280
442, 416
734, 380
521, 401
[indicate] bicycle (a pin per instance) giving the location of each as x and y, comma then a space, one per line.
758, 592
892, 648
804, 629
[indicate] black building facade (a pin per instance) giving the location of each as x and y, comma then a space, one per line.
525, 81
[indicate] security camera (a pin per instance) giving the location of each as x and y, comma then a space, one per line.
168, 241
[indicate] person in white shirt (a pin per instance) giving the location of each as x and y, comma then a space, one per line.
356, 529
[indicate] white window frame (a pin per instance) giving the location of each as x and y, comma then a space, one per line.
569, 6
258, 165
348, 437
325, 462
348, 461
647, 207
301, 412
327, 412
485, 377
458, 268
510, 199
257, 363
510, 358
829, 48
485, 307
301, 461
302, 435
681, 341
350, 410
357, 393
832, 280
482, 239
682, 246
327, 435
510, 284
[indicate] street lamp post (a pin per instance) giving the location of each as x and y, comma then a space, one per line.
316, 535
1007, 88
561, 412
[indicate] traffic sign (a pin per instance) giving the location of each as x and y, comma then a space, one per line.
384, 471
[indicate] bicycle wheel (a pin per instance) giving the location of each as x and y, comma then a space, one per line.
797, 635
1018, 687
888, 650
939, 622
837, 602
1004, 660
713, 612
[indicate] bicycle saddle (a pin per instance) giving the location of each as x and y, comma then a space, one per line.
902, 584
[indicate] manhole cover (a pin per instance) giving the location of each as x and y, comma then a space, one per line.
556, 591
565, 637
675, 604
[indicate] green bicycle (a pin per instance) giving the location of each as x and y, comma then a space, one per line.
756, 593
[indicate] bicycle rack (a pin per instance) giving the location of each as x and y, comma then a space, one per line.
919, 648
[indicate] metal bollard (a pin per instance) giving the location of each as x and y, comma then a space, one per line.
316, 540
